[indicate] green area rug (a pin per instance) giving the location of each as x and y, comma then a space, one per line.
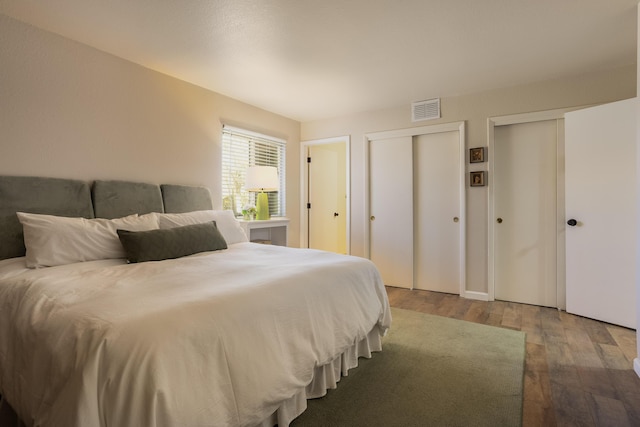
432, 371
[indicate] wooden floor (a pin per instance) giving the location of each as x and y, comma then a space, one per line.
579, 372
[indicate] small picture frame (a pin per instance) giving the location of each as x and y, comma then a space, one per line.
476, 155
477, 179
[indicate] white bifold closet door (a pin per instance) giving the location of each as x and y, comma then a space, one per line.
415, 224
391, 208
436, 173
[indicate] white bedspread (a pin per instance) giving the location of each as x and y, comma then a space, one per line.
219, 338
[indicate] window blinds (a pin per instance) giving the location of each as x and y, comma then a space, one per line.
241, 149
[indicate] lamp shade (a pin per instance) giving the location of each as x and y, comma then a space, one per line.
261, 178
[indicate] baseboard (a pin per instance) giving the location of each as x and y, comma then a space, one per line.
636, 365
482, 296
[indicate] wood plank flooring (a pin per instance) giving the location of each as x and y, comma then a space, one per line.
579, 372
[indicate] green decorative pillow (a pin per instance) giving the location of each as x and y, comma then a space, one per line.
156, 245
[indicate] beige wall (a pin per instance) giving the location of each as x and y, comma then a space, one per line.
474, 109
71, 111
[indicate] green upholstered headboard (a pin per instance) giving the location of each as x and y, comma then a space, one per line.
53, 196
115, 199
75, 198
183, 198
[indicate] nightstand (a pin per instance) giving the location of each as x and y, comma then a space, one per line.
272, 231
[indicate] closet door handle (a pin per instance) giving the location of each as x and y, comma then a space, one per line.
572, 222
499, 220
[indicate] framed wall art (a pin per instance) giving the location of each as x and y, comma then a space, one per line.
477, 179
476, 155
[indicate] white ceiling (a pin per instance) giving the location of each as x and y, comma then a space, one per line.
313, 59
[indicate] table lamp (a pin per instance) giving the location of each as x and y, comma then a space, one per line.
261, 179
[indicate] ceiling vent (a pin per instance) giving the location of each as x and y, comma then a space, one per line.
425, 110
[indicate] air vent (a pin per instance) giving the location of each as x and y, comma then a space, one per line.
425, 110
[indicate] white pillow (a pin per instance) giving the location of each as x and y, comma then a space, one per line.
225, 220
55, 240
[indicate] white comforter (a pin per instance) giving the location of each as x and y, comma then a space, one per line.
219, 338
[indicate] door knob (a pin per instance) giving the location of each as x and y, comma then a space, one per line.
499, 220
572, 222
336, 214
456, 219
372, 218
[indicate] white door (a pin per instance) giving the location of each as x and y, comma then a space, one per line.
391, 209
601, 197
327, 197
437, 176
526, 214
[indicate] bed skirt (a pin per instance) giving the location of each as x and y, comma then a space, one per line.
325, 377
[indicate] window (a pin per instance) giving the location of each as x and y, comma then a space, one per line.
241, 149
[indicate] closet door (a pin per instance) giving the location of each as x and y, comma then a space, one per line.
437, 220
526, 214
391, 209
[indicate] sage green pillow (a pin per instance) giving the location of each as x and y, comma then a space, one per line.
156, 245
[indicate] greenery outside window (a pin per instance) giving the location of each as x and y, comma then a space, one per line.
241, 149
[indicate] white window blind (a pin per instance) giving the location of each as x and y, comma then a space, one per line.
241, 149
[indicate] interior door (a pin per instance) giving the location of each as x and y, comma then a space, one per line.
601, 199
437, 185
391, 209
526, 214
327, 197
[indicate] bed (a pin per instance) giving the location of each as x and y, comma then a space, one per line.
144, 334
